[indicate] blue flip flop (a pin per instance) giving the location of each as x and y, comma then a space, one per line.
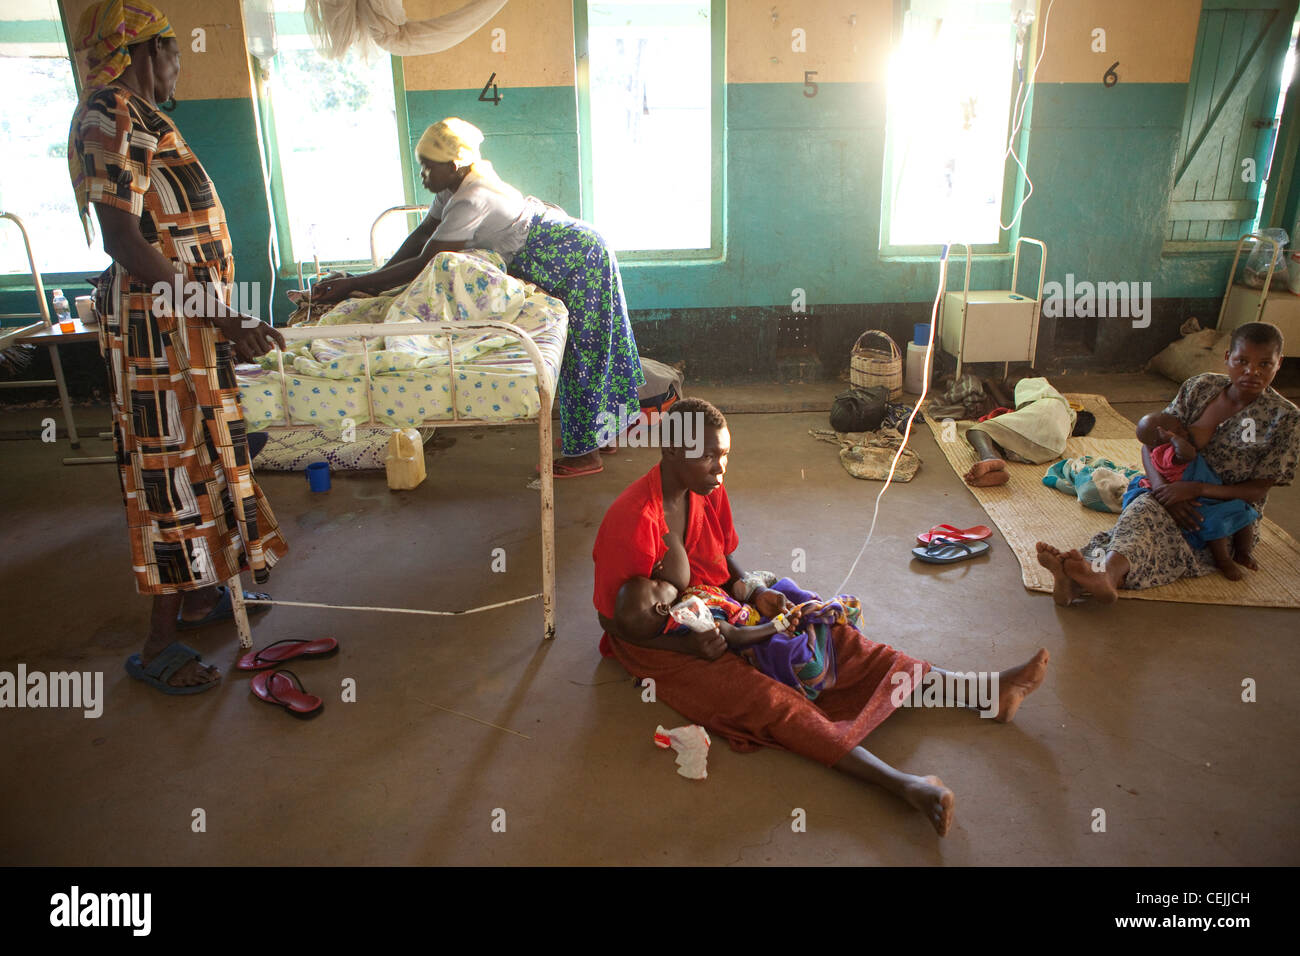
224, 610
949, 551
160, 670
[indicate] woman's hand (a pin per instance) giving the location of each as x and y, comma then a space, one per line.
1177, 492
251, 338
333, 290
769, 603
1186, 514
708, 645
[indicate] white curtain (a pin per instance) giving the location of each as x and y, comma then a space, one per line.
341, 25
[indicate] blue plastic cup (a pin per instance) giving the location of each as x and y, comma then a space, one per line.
318, 476
921, 333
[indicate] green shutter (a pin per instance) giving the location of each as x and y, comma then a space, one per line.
1231, 97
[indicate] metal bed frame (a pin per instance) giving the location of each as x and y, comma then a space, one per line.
545, 395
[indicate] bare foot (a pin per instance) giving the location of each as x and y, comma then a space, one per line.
932, 798
1230, 570
1245, 559
1097, 583
197, 605
986, 474
1016, 684
1064, 591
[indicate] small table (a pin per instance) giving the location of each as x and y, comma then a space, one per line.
54, 337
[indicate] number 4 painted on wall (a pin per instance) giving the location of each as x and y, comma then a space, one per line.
495, 98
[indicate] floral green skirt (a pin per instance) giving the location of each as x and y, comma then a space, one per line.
601, 370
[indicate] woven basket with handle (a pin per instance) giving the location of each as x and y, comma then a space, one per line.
874, 366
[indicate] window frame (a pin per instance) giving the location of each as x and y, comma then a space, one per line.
1013, 178
286, 264
22, 281
716, 250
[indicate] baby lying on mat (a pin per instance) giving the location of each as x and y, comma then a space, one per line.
795, 648
1175, 459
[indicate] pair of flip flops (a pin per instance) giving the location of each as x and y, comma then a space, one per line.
944, 544
282, 686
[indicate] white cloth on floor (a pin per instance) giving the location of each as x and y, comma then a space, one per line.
692, 745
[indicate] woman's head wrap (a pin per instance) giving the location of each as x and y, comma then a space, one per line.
108, 28
451, 141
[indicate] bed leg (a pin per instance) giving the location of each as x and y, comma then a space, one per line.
546, 457
236, 588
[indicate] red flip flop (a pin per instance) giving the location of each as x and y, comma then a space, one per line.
286, 650
283, 688
977, 533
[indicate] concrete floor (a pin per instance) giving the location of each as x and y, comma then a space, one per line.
1140, 716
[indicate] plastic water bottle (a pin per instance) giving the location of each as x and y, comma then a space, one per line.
61, 311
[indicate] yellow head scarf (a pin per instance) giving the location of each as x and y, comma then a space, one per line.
451, 141
108, 28
104, 33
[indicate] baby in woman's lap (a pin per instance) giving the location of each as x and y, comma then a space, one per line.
1227, 527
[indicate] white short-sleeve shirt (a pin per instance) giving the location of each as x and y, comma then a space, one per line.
484, 217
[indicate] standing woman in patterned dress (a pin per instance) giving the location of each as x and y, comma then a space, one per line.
475, 209
195, 516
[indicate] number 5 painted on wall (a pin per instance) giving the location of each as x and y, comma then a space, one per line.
809, 83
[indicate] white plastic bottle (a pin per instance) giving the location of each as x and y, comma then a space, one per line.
61, 312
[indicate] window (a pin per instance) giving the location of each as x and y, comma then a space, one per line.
949, 106
336, 153
650, 90
35, 113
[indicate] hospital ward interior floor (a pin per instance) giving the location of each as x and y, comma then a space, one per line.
1141, 714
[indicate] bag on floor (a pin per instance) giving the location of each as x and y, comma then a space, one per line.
1199, 350
663, 385
860, 409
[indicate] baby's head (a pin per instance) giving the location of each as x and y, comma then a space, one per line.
641, 608
1148, 430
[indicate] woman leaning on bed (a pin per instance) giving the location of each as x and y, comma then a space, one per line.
1245, 431
565, 257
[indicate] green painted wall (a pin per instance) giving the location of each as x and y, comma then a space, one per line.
803, 190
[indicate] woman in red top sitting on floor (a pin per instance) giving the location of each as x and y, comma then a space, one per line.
696, 676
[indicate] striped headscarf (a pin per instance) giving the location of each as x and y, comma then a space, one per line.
105, 32
108, 28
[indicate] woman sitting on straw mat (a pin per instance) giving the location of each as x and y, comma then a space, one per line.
1246, 432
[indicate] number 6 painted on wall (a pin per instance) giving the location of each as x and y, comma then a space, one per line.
809, 83
1110, 77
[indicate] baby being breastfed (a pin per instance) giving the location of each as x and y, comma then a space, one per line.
1227, 527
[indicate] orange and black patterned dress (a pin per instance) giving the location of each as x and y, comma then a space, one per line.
195, 516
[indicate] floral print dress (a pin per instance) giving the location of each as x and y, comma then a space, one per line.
601, 372
1260, 441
